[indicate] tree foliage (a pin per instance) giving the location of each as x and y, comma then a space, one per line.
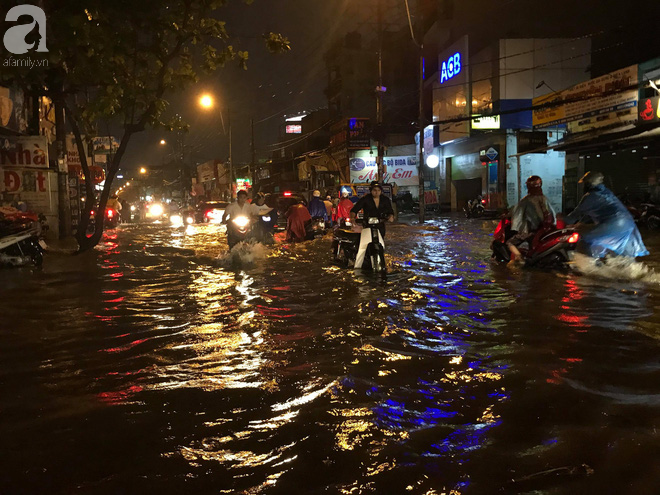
118, 60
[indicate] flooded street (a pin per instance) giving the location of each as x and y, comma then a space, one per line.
158, 364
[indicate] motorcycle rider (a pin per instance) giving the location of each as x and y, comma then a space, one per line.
238, 208
344, 207
529, 215
615, 230
316, 207
264, 229
372, 205
297, 217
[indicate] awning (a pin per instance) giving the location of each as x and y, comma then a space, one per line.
597, 138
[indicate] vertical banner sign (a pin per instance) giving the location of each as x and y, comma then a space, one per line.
74, 201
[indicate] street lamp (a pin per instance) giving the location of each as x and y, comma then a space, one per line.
143, 170
206, 102
162, 141
432, 161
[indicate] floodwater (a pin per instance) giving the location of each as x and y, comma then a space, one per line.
158, 364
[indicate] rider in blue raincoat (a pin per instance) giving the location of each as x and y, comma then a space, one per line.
615, 231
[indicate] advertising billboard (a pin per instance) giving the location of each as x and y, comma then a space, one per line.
612, 92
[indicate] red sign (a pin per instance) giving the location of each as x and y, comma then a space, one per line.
649, 109
294, 129
431, 197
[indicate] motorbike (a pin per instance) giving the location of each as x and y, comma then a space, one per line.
21, 248
315, 228
346, 243
239, 229
264, 227
475, 208
111, 218
650, 216
551, 247
181, 218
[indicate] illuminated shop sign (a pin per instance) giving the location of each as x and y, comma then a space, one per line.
485, 122
450, 67
294, 129
649, 109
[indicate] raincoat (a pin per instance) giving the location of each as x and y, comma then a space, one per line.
529, 214
615, 231
297, 216
344, 208
317, 209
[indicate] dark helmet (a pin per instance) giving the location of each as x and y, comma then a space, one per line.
534, 182
375, 184
592, 179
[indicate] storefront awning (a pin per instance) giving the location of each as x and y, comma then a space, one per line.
598, 138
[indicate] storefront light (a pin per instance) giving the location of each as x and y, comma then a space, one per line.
432, 161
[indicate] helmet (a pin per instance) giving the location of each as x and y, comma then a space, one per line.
316, 193
344, 193
534, 181
592, 179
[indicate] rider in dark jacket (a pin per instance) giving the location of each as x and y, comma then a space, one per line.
317, 207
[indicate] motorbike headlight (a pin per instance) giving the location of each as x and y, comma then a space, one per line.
374, 221
176, 219
266, 218
156, 210
132, 207
241, 222
190, 220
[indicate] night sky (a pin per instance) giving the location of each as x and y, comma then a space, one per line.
272, 86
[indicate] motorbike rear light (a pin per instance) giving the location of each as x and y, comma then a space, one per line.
110, 213
287, 194
574, 238
209, 214
483, 201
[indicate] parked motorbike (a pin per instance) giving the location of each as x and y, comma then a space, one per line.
21, 248
650, 216
475, 208
239, 229
346, 243
551, 247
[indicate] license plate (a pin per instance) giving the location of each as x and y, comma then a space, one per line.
43, 244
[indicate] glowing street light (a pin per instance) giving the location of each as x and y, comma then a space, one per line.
162, 141
432, 161
128, 184
143, 170
206, 101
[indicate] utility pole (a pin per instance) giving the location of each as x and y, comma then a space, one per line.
422, 205
253, 162
420, 45
231, 159
379, 95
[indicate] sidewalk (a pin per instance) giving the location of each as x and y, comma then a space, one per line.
68, 245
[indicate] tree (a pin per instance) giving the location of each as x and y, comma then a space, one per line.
118, 60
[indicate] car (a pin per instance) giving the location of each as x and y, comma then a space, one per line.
210, 211
283, 200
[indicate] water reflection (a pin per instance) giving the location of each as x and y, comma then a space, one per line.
287, 375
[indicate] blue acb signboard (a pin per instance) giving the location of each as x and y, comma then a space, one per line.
451, 67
